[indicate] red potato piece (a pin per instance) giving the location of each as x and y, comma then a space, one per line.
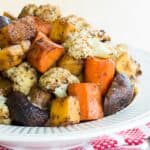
24, 29
44, 53
119, 95
100, 71
90, 100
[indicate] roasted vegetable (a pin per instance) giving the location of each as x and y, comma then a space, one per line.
23, 112
8, 15
119, 95
82, 45
24, 77
44, 53
45, 12
60, 30
100, 71
5, 86
101, 35
42, 26
48, 12
3, 41
11, 56
90, 100
61, 91
25, 45
39, 98
24, 29
56, 77
4, 111
73, 65
62, 27
64, 111
125, 64
4, 21
28, 10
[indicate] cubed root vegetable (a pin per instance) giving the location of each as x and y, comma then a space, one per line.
44, 53
11, 56
100, 71
73, 65
64, 111
24, 29
89, 97
60, 30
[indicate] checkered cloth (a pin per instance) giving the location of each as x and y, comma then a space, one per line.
130, 139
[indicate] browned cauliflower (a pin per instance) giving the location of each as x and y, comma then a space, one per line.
46, 12
55, 78
28, 10
23, 77
101, 35
81, 45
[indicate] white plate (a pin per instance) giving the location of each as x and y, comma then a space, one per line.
137, 113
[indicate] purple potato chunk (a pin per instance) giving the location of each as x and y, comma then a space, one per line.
119, 95
23, 112
4, 21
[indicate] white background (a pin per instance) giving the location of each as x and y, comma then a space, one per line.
127, 21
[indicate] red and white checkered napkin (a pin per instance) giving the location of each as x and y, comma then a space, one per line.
130, 139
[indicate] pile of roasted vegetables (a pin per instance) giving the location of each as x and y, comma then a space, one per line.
58, 70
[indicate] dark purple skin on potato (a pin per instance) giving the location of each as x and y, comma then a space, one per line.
4, 21
119, 95
24, 112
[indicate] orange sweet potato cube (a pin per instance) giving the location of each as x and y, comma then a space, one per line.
44, 53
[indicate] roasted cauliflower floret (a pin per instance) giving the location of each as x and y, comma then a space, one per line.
4, 112
81, 45
126, 64
45, 12
48, 12
101, 35
56, 77
23, 77
28, 10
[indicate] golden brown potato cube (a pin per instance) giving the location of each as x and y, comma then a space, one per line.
60, 30
11, 56
64, 111
73, 65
